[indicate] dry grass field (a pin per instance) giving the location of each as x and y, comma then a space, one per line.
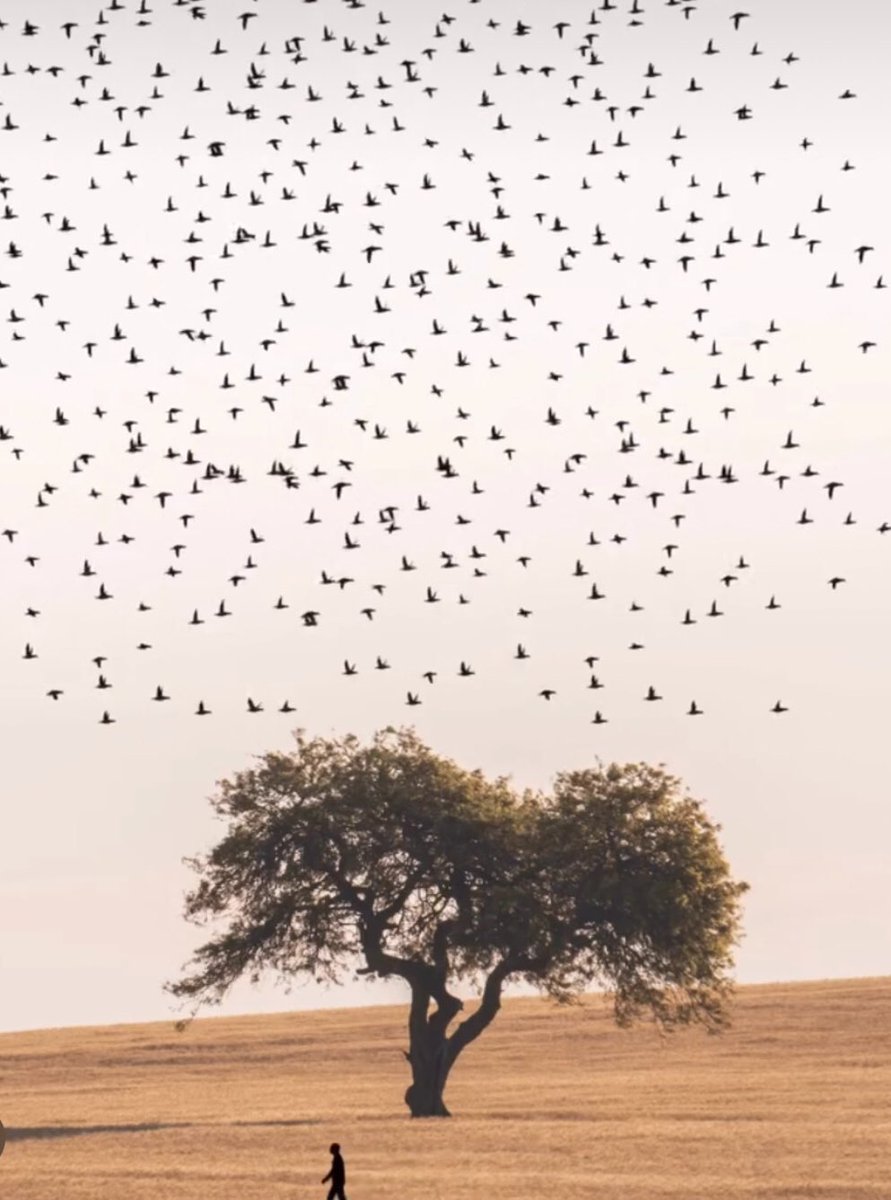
794, 1101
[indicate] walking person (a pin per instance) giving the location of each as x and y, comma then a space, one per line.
337, 1174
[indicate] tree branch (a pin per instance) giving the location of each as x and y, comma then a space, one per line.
483, 1016
402, 897
441, 949
380, 962
356, 898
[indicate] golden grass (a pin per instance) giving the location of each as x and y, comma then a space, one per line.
793, 1102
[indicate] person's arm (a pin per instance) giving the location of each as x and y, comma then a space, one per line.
328, 1176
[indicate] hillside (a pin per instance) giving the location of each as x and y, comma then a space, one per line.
792, 1102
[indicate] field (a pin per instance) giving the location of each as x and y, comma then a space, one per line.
793, 1101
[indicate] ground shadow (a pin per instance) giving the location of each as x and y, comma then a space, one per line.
44, 1132
37, 1132
258, 1124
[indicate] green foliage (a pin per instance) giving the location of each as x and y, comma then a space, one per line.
390, 854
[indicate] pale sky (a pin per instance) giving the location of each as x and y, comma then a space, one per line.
97, 817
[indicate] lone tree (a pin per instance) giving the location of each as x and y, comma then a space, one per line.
389, 853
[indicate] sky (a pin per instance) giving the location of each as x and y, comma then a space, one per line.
216, 236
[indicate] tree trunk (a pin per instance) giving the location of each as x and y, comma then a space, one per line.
431, 1053
429, 1070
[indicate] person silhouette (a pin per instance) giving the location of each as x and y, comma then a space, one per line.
337, 1174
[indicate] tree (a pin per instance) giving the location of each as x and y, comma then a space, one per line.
392, 856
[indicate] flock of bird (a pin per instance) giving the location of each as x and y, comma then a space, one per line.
325, 244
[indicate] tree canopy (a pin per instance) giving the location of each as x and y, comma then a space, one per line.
389, 859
